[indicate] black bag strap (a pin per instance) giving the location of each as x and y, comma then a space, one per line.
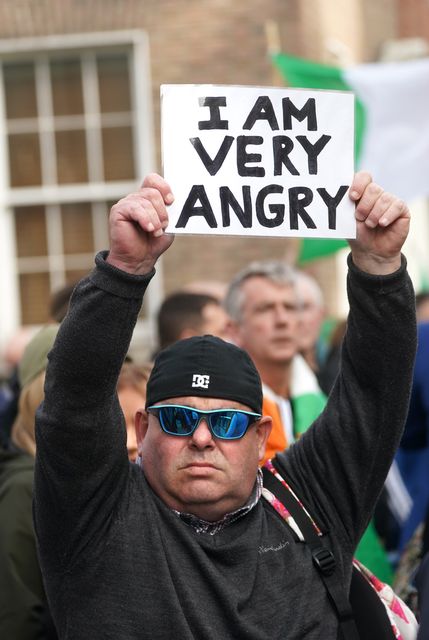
323, 557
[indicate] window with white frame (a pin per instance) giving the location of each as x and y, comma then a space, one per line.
77, 136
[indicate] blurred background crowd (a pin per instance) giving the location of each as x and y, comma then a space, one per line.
79, 118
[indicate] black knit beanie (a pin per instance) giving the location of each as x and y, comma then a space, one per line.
205, 366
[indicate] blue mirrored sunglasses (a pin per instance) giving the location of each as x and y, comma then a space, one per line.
226, 424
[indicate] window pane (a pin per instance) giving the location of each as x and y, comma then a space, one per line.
113, 83
24, 160
72, 163
77, 228
20, 90
66, 81
30, 230
118, 153
34, 288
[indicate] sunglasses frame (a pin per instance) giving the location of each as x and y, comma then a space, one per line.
202, 414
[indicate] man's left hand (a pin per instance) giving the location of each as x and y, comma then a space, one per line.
383, 223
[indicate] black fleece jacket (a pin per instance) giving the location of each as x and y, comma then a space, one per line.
119, 565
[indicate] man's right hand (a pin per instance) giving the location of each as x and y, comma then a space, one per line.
136, 227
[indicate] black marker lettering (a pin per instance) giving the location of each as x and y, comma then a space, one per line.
212, 165
313, 150
282, 146
277, 209
332, 203
214, 103
308, 111
197, 193
262, 110
299, 198
243, 158
243, 213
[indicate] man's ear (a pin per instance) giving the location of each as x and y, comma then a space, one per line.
141, 423
263, 429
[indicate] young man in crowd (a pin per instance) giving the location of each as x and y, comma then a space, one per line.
184, 314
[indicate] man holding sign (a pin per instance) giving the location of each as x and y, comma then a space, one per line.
184, 545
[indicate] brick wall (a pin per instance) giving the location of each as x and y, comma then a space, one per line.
210, 41
413, 19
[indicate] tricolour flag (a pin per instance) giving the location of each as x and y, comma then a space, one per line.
392, 124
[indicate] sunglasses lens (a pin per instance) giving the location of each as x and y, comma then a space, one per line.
229, 425
182, 421
177, 421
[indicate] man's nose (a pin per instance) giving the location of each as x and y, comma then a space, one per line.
282, 314
202, 436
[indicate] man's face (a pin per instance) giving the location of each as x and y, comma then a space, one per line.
201, 474
269, 320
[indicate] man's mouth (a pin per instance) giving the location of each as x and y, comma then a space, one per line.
202, 465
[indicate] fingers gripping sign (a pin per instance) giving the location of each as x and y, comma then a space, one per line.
136, 227
383, 222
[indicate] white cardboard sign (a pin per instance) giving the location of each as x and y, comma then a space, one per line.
259, 161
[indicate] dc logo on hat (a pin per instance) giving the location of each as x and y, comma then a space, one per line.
200, 381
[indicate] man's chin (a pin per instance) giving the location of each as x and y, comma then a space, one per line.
201, 493
282, 356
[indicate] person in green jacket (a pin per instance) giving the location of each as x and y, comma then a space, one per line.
24, 613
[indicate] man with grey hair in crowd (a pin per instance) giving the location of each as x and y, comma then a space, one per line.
264, 306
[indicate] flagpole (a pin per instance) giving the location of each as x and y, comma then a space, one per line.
274, 46
273, 40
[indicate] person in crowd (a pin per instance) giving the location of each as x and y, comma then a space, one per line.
184, 314
413, 454
10, 388
185, 544
331, 363
422, 306
131, 390
262, 302
24, 612
9, 394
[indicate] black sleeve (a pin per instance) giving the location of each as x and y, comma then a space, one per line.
82, 462
341, 462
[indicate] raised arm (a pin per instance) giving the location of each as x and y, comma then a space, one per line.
347, 453
82, 460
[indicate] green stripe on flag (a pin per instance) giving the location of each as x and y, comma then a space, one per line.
313, 248
305, 74
424, 281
